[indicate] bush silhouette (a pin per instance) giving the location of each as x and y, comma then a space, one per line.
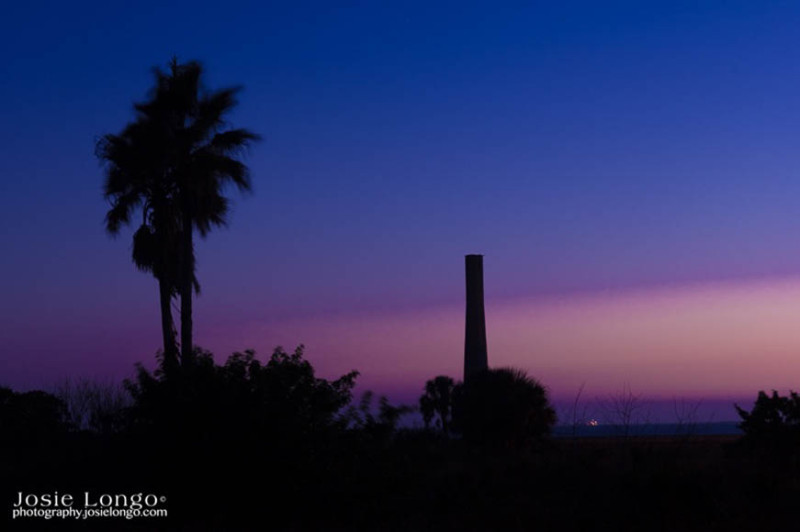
241, 400
94, 406
502, 407
773, 420
362, 418
30, 419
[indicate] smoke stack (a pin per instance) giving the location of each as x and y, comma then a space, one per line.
475, 354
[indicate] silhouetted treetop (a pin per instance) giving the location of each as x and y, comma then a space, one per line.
281, 398
774, 419
502, 406
437, 401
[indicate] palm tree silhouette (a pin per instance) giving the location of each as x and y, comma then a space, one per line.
175, 160
202, 160
438, 400
134, 179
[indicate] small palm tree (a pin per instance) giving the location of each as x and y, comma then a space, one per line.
437, 401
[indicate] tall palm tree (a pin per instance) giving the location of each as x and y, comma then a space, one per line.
200, 158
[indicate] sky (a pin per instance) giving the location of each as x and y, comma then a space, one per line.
628, 170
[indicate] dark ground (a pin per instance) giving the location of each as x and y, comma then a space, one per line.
418, 482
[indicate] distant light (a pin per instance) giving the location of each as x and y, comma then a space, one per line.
592, 423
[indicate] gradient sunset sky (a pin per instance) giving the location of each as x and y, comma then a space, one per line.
628, 169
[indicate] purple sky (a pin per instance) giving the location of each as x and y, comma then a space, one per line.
591, 153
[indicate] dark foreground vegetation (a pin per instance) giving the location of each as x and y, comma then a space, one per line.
252, 445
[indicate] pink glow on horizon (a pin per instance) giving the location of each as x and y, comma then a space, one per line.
711, 341
706, 341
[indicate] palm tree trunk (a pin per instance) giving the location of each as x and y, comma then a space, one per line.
167, 328
187, 263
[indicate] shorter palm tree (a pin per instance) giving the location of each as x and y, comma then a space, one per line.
135, 180
437, 401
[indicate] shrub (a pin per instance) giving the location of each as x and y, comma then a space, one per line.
243, 398
502, 406
381, 427
30, 419
774, 419
94, 406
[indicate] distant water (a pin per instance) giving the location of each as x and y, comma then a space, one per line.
651, 429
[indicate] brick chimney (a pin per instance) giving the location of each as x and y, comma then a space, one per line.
475, 353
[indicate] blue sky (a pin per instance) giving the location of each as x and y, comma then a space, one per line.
583, 147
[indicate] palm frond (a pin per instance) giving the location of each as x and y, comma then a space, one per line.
210, 114
232, 141
121, 210
208, 165
145, 249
